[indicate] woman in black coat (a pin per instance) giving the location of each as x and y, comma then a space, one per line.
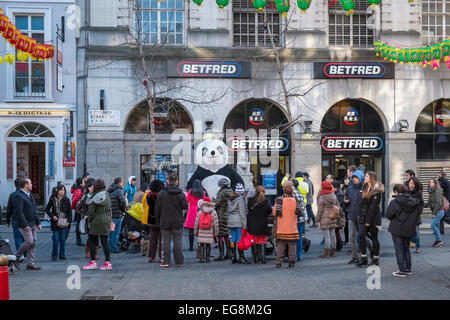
59, 209
415, 190
259, 209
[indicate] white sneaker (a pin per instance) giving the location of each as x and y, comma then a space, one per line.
399, 274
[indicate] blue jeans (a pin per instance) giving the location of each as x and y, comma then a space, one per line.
310, 212
18, 238
235, 234
435, 225
114, 235
59, 239
416, 239
301, 231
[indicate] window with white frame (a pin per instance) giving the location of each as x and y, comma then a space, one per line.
349, 30
30, 75
248, 25
160, 21
435, 21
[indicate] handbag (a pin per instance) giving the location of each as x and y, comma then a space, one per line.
246, 240
62, 223
445, 204
334, 214
82, 226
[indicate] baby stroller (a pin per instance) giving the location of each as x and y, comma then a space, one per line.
131, 233
270, 230
5, 249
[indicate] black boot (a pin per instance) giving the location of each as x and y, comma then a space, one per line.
375, 262
233, 254
242, 259
263, 253
79, 242
191, 241
202, 253
229, 253
208, 252
221, 251
291, 264
362, 262
306, 244
255, 253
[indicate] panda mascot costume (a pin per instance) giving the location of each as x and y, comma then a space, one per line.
211, 155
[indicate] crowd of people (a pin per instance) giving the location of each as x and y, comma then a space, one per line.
234, 216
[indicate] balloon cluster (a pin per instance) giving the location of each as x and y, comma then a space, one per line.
424, 56
26, 47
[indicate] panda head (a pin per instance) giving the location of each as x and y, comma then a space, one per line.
211, 154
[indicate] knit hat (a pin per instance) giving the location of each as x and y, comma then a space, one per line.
223, 182
239, 189
327, 188
206, 203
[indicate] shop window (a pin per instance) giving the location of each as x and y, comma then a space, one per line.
30, 75
352, 116
160, 21
169, 115
31, 130
248, 25
349, 30
433, 131
435, 21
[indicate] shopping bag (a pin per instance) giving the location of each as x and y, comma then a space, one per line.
82, 226
246, 241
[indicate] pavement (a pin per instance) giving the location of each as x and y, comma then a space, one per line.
312, 278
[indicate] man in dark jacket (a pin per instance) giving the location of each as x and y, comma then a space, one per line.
26, 214
354, 198
10, 218
445, 185
118, 207
403, 213
170, 203
409, 174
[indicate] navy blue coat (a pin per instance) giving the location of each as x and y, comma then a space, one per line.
9, 208
25, 210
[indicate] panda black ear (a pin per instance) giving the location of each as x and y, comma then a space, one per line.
220, 149
204, 151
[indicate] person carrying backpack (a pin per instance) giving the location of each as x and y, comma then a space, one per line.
206, 227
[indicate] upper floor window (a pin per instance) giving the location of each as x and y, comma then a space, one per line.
248, 25
30, 75
349, 30
435, 21
160, 21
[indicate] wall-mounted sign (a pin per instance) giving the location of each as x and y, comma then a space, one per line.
208, 69
160, 115
256, 116
33, 113
370, 70
59, 77
104, 118
351, 116
269, 179
443, 117
255, 144
9, 161
51, 160
339, 144
35, 174
70, 151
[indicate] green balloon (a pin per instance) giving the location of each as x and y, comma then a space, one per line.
259, 4
222, 3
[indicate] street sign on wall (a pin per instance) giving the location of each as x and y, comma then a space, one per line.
104, 118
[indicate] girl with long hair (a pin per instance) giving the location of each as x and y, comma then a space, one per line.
415, 190
369, 219
437, 210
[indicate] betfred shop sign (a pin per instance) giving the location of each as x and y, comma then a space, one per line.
208, 69
364, 144
370, 70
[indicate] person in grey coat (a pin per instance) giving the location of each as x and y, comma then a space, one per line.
237, 220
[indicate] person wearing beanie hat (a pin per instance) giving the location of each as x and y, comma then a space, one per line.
206, 227
237, 220
222, 200
327, 204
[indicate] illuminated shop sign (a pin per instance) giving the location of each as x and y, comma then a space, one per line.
257, 144
351, 116
330, 70
442, 117
352, 144
208, 69
256, 116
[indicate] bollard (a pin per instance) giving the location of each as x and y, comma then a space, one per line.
4, 283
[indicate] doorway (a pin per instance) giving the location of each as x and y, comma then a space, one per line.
337, 165
30, 162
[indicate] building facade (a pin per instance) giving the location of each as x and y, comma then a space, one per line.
38, 102
214, 69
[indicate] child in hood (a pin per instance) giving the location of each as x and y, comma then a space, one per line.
206, 228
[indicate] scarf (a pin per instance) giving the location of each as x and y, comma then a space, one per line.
279, 206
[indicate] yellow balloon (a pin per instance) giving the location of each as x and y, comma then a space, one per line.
9, 58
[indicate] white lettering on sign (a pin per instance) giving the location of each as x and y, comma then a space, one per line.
257, 144
349, 143
353, 70
186, 68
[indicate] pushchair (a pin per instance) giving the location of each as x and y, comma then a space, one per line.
131, 234
270, 237
5, 249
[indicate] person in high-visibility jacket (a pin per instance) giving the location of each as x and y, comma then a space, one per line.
303, 187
